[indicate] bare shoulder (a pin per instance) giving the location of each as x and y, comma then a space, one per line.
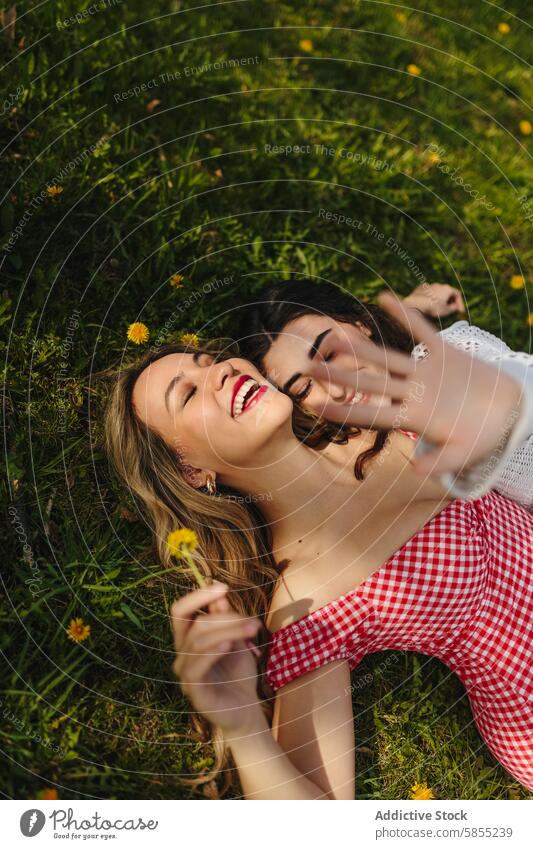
292, 599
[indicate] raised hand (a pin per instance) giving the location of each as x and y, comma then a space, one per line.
216, 669
462, 405
436, 299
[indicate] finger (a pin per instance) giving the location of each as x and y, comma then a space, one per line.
220, 605
412, 320
453, 296
197, 670
389, 359
364, 415
203, 624
189, 657
183, 610
363, 381
231, 631
458, 301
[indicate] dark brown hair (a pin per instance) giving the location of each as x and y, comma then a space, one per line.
275, 306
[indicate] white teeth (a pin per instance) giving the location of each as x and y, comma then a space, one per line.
357, 398
240, 396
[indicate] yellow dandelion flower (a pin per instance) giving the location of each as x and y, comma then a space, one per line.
138, 333
190, 339
77, 630
517, 281
180, 544
53, 191
530, 319
421, 791
504, 28
181, 541
177, 281
48, 793
434, 158
414, 70
526, 128
401, 17
306, 45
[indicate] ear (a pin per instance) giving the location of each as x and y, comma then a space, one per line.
197, 478
363, 328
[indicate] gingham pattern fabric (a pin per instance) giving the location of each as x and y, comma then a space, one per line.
461, 590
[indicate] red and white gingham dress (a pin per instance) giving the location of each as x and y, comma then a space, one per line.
461, 590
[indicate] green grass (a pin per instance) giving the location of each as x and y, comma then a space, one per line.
190, 187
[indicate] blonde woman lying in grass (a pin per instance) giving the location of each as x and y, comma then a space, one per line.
320, 567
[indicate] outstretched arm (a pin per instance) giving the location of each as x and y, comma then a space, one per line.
463, 408
436, 299
309, 754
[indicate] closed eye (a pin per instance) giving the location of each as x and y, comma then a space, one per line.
303, 393
190, 395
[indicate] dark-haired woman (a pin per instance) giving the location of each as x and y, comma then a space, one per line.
291, 327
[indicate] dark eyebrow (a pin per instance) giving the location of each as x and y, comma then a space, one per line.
311, 354
171, 386
286, 386
313, 350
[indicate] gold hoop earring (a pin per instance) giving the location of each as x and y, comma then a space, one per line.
211, 485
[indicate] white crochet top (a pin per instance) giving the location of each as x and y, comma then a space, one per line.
510, 468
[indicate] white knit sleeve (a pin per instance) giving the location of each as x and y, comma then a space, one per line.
474, 339
509, 469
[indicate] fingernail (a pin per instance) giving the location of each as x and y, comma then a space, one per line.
253, 648
218, 585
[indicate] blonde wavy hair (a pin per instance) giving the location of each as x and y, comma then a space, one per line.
234, 543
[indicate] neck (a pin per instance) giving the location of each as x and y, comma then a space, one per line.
295, 485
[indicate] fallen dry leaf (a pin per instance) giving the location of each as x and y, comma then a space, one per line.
126, 514
8, 19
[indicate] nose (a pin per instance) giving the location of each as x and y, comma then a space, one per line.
336, 392
219, 372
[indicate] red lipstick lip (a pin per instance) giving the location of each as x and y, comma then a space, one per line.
236, 386
258, 394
